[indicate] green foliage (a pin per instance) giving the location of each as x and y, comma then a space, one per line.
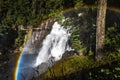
76, 44
66, 67
20, 39
81, 28
91, 53
22, 12
28, 12
105, 72
18, 42
59, 18
74, 67
112, 39
78, 2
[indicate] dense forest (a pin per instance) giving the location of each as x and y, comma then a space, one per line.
14, 13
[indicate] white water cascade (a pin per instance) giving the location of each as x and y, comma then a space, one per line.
37, 57
54, 45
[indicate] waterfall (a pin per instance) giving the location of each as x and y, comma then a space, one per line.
36, 58
54, 45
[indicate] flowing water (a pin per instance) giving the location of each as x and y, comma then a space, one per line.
53, 47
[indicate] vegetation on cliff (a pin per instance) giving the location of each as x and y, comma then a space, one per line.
84, 68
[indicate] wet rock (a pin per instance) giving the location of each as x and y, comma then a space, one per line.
69, 53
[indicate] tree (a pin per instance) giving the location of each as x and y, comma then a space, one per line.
100, 30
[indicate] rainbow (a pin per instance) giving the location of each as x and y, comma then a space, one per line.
20, 56
17, 66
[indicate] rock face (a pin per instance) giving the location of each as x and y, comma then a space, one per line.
33, 44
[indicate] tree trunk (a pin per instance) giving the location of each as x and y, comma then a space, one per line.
100, 31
